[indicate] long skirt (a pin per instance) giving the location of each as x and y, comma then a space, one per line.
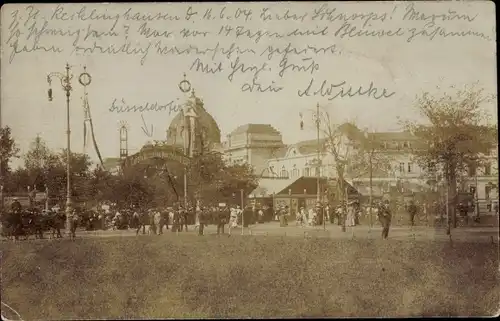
350, 220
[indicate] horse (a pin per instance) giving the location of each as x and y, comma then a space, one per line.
50, 221
22, 224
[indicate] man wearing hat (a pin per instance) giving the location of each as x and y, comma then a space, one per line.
222, 217
282, 216
202, 219
16, 206
319, 212
412, 210
16, 217
73, 223
385, 218
183, 218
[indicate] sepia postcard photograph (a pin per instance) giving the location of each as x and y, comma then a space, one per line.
309, 159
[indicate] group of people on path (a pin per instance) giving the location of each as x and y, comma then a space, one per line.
177, 218
316, 215
153, 221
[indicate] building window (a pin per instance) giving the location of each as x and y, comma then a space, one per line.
410, 167
317, 171
472, 170
283, 172
402, 167
487, 169
432, 167
405, 145
487, 190
295, 171
306, 171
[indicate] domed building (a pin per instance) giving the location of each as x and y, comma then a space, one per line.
192, 131
194, 128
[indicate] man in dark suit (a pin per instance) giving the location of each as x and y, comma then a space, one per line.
16, 206
203, 218
463, 210
385, 218
222, 219
412, 210
183, 213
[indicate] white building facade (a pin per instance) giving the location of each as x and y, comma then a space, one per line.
262, 147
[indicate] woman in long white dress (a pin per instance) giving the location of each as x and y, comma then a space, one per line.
350, 216
233, 222
303, 217
310, 217
299, 218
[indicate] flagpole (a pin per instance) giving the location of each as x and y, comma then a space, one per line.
185, 87
242, 213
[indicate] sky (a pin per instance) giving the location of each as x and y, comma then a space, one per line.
403, 65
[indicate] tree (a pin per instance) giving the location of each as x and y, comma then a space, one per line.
342, 143
18, 181
132, 188
80, 165
455, 134
237, 177
39, 155
100, 185
38, 162
213, 179
8, 150
368, 159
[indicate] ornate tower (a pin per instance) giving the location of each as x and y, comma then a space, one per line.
123, 140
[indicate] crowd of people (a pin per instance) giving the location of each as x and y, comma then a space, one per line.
344, 214
177, 218
19, 221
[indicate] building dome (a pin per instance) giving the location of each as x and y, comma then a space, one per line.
207, 131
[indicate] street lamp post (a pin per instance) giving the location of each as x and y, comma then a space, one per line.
1, 198
318, 172
65, 79
186, 152
317, 120
46, 197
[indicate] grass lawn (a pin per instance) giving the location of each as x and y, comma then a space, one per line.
188, 276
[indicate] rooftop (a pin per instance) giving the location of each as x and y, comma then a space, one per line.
269, 186
256, 129
393, 136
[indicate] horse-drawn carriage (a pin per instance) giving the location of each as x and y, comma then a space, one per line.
31, 222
